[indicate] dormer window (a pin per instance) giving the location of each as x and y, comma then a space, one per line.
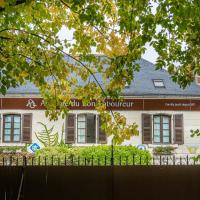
158, 83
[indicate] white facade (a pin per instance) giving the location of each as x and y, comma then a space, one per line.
191, 120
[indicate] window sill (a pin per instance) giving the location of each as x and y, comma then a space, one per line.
162, 145
12, 144
85, 144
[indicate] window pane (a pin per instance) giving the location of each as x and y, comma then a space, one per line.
157, 139
156, 132
81, 139
166, 120
81, 118
8, 118
7, 125
81, 131
16, 125
156, 119
16, 138
17, 119
157, 126
17, 132
7, 131
166, 139
158, 83
165, 126
165, 132
81, 124
7, 138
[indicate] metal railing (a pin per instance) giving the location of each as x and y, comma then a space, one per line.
13, 160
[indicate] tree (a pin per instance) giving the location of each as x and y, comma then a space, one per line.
30, 49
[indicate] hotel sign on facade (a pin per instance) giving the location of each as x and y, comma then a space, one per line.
125, 104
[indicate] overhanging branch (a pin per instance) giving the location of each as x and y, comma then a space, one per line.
17, 2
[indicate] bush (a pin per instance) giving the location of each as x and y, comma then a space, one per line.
12, 149
168, 150
94, 155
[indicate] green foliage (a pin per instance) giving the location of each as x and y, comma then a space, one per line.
168, 150
13, 149
96, 154
62, 141
195, 132
47, 137
31, 50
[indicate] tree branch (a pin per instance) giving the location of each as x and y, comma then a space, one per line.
74, 58
17, 2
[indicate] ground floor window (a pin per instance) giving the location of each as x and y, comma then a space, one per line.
84, 128
162, 129
11, 128
81, 128
16, 128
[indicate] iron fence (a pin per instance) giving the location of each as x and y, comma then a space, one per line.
13, 160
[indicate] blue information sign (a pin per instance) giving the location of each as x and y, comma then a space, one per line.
34, 147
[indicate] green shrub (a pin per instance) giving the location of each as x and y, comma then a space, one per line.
12, 149
168, 150
94, 155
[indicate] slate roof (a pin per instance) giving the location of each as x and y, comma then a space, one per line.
141, 86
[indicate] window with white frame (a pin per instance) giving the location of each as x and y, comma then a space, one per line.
11, 128
158, 83
162, 129
81, 128
84, 128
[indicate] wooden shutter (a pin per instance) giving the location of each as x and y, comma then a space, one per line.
70, 129
102, 138
146, 129
178, 129
27, 128
91, 128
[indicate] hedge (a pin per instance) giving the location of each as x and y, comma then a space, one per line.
94, 155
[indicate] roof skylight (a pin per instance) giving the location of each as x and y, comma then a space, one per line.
158, 83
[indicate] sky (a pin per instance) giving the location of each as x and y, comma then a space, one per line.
149, 55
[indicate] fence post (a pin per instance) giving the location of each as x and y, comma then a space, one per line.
153, 160
45, 160
10, 160
112, 154
174, 160
92, 160
72, 160
147, 161
160, 160
133, 159
24, 161
187, 160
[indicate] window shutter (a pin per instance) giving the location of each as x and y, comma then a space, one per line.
70, 129
146, 129
27, 128
102, 139
178, 129
91, 128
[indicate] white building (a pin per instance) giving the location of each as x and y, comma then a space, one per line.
164, 112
